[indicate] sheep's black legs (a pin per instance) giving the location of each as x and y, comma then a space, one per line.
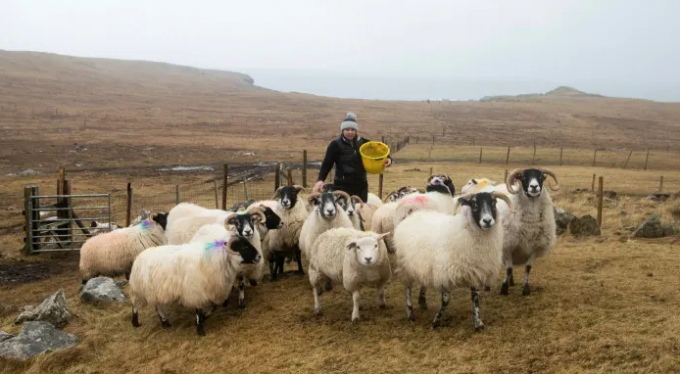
272, 266
525, 287
507, 281
164, 321
409, 304
298, 255
200, 322
241, 292
438, 317
422, 300
475, 309
135, 317
280, 259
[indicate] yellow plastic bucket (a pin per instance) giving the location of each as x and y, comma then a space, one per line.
373, 155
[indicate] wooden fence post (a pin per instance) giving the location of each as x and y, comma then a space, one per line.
429, 155
304, 168
480, 154
431, 169
177, 194
661, 184
505, 177
533, 159
245, 188
217, 202
646, 159
600, 196
592, 187
626, 163
277, 176
380, 186
507, 156
290, 177
561, 156
129, 205
225, 180
594, 157
29, 192
69, 211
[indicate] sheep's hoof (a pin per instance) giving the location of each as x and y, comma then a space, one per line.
355, 319
411, 316
165, 324
479, 328
504, 289
135, 321
273, 278
487, 288
225, 303
525, 290
253, 282
512, 282
318, 312
319, 291
242, 303
436, 324
328, 286
382, 306
200, 331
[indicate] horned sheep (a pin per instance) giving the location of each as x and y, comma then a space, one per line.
327, 214
530, 227
285, 241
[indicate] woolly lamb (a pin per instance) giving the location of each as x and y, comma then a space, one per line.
437, 201
462, 250
285, 241
113, 253
355, 258
327, 214
530, 227
197, 275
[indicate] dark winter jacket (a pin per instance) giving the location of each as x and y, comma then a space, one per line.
345, 155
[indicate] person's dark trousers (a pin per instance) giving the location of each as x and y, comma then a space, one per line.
353, 188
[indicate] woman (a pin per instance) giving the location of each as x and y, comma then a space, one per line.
350, 175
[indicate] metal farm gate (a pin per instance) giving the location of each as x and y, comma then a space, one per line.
63, 222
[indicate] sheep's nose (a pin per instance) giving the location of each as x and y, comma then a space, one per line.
368, 259
280, 225
329, 211
257, 258
247, 233
487, 221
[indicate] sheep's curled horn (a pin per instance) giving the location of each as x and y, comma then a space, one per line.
358, 199
518, 173
228, 246
277, 194
258, 211
343, 194
229, 221
496, 194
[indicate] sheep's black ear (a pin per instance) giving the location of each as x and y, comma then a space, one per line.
93, 224
161, 219
464, 201
315, 200
474, 181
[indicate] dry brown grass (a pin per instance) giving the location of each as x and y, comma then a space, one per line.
596, 307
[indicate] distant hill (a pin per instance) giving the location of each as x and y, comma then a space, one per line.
557, 93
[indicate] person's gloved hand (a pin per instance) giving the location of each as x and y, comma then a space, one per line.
388, 162
319, 185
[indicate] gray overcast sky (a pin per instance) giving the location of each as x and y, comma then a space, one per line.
613, 47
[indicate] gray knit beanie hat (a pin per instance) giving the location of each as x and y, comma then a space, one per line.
350, 122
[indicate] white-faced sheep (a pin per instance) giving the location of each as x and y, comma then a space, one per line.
465, 249
355, 258
113, 253
197, 275
327, 214
373, 199
530, 226
285, 241
383, 217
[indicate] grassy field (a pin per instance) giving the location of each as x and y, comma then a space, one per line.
599, 305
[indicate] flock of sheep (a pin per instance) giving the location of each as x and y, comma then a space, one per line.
193, 256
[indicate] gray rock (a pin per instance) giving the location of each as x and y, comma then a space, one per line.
121, 283
562, 220
659, 196
651, 228
671, 229
101, 289
5, 336
36, 337
584, 226
53, 310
